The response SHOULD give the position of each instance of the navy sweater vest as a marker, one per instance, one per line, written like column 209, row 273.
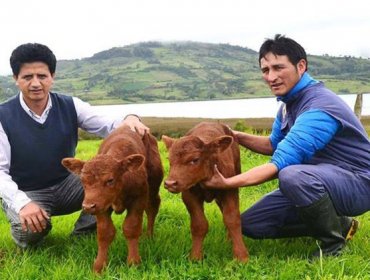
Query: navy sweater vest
column 37, row 149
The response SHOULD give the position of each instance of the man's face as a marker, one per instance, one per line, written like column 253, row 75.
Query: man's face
column 34, row 81
column 280, row 74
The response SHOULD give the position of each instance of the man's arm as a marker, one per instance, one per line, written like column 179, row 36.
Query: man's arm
column 254, row 176
column 31, row 215
column 258, row 144
column 312, row 131
column 9, row 191
column 89, row 120
column 134, row 122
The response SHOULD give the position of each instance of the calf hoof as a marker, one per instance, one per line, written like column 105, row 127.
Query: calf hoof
column 98, row 267
column 242, row 259
column 196, row 257
column 242, row 256
column 132, row 261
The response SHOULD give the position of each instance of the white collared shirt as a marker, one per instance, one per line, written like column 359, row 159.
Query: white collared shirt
column 40, row 119
column 87, row 119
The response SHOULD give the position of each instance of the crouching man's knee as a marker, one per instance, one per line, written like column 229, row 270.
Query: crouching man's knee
column 301, row 184
column 25, row 239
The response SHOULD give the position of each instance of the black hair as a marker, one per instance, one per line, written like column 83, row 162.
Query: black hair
column 32, row 52
column 282, row 45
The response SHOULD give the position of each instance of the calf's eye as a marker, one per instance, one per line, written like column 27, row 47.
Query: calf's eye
column 194, row 161
column 109, row 182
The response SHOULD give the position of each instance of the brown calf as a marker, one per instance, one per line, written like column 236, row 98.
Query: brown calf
column 192, row 159
column 125, row 175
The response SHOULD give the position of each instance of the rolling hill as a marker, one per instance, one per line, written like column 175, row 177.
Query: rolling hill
column 176, row 71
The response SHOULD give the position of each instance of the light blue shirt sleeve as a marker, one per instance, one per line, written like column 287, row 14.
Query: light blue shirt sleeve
column 311, row 132
column 88, row 119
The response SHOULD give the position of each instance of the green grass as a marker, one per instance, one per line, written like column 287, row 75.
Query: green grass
column 166, row 256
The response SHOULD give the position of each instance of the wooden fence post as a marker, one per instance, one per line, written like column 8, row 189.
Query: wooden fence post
column 358, row 105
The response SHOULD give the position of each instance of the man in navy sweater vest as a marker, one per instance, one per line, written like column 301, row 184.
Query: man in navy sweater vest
column 320, row 155
column 38, row 129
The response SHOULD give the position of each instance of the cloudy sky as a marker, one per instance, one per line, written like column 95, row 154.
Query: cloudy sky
column 77, row 28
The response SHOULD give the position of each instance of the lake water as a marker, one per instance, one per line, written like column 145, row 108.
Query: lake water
column 218, row 109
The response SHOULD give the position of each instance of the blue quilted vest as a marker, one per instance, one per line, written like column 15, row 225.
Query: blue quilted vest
column 350, row 147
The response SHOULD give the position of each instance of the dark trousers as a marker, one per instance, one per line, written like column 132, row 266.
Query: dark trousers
column 302, row 185
column 60, row 199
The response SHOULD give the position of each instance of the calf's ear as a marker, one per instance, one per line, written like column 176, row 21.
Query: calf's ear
column 133, row 162
column 221, row 143
column 168, row 141
column 74, row 165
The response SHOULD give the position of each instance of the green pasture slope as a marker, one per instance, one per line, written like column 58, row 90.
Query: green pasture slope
column 166, row 256
column 183, row 71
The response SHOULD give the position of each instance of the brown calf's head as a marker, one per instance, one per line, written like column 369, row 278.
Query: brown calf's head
column 101, row 178
column 192, row 160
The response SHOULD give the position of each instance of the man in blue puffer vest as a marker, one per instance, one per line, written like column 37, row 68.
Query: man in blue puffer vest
column 320, row 155
column 38, row 128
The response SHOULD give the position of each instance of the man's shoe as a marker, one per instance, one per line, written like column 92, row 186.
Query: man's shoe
column 85, row 225
column 83, row 233
column 336, row 249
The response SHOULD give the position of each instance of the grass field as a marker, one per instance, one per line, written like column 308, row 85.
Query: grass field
column 166, row 256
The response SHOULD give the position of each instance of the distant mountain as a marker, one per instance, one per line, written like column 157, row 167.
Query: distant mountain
column 156, row 71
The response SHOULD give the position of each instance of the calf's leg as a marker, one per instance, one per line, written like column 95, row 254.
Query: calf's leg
column 199, row 223
column 106, row 233
column 132, row 228
column 231, row 216
column 151, row 212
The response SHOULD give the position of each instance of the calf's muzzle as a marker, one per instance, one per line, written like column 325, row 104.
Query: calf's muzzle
column 171, row 185
column 88, row 207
